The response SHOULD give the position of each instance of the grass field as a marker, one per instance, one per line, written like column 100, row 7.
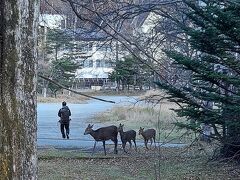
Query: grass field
column 159, row 117
column 63, row 97
column 164, row 163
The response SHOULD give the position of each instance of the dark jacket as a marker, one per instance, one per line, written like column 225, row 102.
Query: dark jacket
column 64, row 114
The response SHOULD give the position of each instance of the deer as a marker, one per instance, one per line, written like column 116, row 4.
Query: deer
column 148, row 134
column 103, row 134
column 127, row 137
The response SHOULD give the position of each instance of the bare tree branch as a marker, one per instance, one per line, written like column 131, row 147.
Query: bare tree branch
column 76, row 92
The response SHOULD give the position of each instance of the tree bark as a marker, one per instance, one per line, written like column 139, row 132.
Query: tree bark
column 18, row 62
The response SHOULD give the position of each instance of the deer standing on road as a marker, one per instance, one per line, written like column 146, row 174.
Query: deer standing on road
column 148, row 134
column 103, row 134
column 127, row 137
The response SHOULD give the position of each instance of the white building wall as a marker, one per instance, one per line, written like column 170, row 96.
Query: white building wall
column 95, row 71
column 52, row 21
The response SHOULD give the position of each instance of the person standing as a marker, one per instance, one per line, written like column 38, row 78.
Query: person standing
column 64, row 113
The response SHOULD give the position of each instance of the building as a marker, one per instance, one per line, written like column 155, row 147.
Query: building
column 90, row 49
column 94, row 50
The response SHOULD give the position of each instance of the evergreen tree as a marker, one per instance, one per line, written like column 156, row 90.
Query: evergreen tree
column 63, row 71
column 129, row 72
column 58, row 40
column 62, row 66
column 212, row 95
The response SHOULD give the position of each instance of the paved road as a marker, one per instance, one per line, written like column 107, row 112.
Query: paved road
column 48, row 127
column 49, row 131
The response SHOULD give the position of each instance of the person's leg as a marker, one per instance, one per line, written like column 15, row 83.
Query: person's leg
column 62, row 130
column 67, row 130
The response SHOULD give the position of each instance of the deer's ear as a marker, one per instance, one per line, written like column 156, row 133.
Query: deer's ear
column 89, row 125
column 120, row 124
column 92, row 125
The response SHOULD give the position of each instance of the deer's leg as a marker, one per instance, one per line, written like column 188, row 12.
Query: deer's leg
column 115, row 145
column 146, row 141
column 151, row 142
column 94, row 147
column 130, row 144
column 135, row 144
column 124, row 145
column 104, row 148
column 154, row 139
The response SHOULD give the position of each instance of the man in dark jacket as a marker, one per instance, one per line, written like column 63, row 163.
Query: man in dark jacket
column 64, row 113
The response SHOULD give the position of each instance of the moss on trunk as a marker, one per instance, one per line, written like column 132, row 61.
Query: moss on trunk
column 18, row 89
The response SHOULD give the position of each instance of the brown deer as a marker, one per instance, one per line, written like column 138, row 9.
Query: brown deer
column 127, row 137
column 148, row 134
column 103, row 134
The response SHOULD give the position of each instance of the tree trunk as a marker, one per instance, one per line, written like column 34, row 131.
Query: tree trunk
column 18, row 127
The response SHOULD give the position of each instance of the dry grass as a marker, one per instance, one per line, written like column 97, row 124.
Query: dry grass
column 159, row 117
column 73, row 98
column 165, row 164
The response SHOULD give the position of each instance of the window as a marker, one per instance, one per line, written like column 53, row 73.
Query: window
column 109, row 63
column 100, row 63
column 88, row 63
column 103, row 47
column 85, row 47
column 90, row 46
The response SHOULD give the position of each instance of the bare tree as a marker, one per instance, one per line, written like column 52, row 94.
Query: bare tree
column 18, row 127
column 121, row 21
